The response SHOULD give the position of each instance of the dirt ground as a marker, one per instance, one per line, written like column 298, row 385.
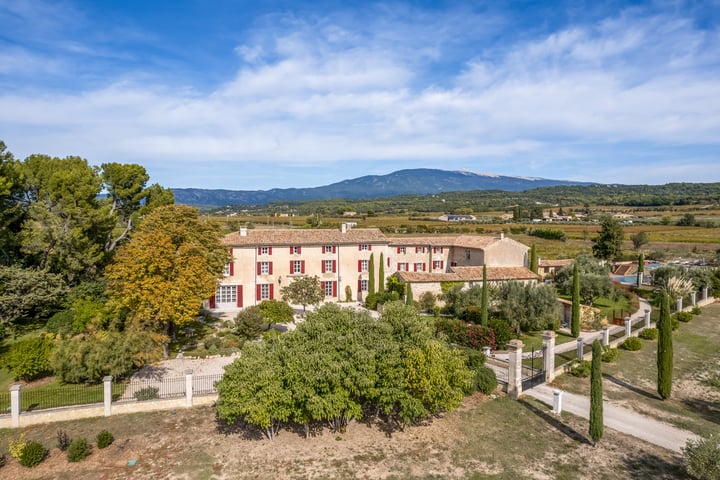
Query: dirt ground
column 485, row 438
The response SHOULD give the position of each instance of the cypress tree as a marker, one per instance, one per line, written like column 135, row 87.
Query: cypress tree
column 381, row 276
column 371, row 275
column 484, row 300
column 409, row 295
column 596, row 401
column 533, row 259
column 641, row 268
column 575, row 324
column 664, row 349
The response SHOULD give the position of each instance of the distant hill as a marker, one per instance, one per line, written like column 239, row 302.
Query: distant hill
column 420, row 181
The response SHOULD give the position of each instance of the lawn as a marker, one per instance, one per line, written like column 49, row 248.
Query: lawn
column 695, row 402
column 533, row 340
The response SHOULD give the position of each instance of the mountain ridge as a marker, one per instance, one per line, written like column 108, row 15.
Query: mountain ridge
column 417, row 181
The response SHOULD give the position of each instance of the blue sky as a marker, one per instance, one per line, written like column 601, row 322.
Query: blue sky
column 255, row 95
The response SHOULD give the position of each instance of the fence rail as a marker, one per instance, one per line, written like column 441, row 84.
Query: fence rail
column 63, row 396
column 205, row 384
column 4, row 403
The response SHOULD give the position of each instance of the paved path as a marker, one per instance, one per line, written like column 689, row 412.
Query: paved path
column 620, row 419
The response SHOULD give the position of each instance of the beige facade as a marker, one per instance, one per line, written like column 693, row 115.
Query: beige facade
column 264, row 260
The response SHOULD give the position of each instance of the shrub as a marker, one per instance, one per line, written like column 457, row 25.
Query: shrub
column 683, row 316
column 78, row 450
column 63, row 440
column 609, row 354
column 2, row 460
column 30, row 359
column 503, row 331
column 465, row 334
column 61, row 322
column 649, row 334
column 549, row 234
column 632, row 344
column 32, row 454
column 702, row 457
column 696, row 310
column 248, row 323
column 485, row 380
column 268, row 334
column 674, row 323
column 147, row 393
column 474, row 358
column 104, row 439
column 16, row 447
column 579, row 368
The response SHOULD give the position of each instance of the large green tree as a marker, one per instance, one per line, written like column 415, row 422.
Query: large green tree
column 664, row 349
column 575, row 322
column 484, row 299
column 11, row 211
column 640, row 269
column 381, row 275
column 533, row 259
column 303, row 291
column 528, row 307
column 594, row 279
column 162, row 275
column 608, row 244
column 275, row 311
column 371, row 275
column 596, row 393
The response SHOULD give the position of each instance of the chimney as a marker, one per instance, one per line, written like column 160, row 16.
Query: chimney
column 343, row 227
column 243, row 232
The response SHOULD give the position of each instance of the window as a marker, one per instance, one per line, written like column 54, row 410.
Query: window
column 402, row 267
column 419, row 267
column 226, row 270
column 296, row 250
column 363, row 265
column 264, row 268
column 297, row 266
column 363, row 285
column 264, row 292
column 401, row 250
column 364, row 247
column 265, row 251
column 328, row 287
column 437, row 249
column 437, row 264
column 328, row 249
column 420, row 250
column 328, row 266
column 467, row 253
column 226, row 294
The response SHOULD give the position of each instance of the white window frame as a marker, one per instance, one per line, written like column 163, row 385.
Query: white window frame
column 418, row 266
column 327, row 248
column 264, row 268
column 226, row 294
column 264, row 250
column 297, row 249
column 226, row 270
column 328, row 289
column 364, row 247
column 328, row 266
column 364, row 266
column 265, row 291
column 437, row 264
column 403, row 267
column 364, row 285
column 297, row 266
column 402, row 250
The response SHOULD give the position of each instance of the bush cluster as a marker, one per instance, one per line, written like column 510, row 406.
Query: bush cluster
column 702, row 457
column 696, row 310
column 649, row 334
column 147, row 393
column 485, row 380
column 33, row 453
column 683, row 316
column 466, row 334
column 30, row 359
column 632, row 344
column 503, row 332
column 579, row 368
column 63, row 440
column 372, row 300
column 610, row 354
column 78, row 450
column 548, row 234
column 104, row 439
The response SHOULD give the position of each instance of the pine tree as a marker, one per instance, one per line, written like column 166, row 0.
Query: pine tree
column 596, row 400
column 409, row 295
column 575, row 324
column 381, row 276
column 484, row 300
column 664, row 349
column 371, row 275
column 533, row 259
column 641, row 268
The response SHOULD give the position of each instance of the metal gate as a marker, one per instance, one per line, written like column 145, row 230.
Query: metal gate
column 533, row 372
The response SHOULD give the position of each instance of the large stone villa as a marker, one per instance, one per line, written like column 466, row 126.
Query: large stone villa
column 266, row 260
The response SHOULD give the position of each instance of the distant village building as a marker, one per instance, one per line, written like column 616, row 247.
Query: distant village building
column 456, row 218
column 264, row 260
column 548, row 268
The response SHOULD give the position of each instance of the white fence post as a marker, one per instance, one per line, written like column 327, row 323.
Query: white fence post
column 107, row 394
column 628, row 327
column 557, row 401
column 548, row 339
column 605, row 336
column 693, row 298
column 647, row 318
column 15, row 405
column 188, row 388
column 678, row 304
column 580, row 348
column 515, row 348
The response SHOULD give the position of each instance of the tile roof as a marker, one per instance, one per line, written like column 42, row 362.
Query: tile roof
column 287, row 236
column 469, row 274
column 422, row 241
column 555, row 263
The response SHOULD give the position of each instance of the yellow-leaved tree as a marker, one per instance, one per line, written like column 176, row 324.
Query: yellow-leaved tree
column 169, row 266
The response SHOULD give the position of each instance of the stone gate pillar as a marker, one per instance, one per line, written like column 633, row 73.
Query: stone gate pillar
column 188, row 387
column 107, row 394
column 706, row 293
column 15, row 405
column 548, row 338
column 628, row 327
column 580, row 348
column 605, row 336
column 647, row 318
column 515, row 369
column 678, row 304
column 693, row 298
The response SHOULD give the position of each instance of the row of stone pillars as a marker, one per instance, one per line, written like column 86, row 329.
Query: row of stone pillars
column 16, row 398
column 705, row 293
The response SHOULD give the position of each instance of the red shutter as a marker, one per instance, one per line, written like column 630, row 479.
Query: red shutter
column 299, row 250
column 291, row 267
column 359, row 286
column 239, row 296
column 369, row 247
column 359, row 247
column 359, row 265
column 302, row 266
column 442, row 265
column 334, row 266
column 258, row 267
column 333, row 249
column 424, row 266
column 388, row 262
column 212, row 301
column 232, row 267
column 415, row 267
column 417, row 249
column 259, row 250
column 398, row 266
column 258, row 292
column 272, row 291
column 269, row 250
column 334, row 289
column 322, row 266
column 398, row 249
column 270, row 267
column 322, row 287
